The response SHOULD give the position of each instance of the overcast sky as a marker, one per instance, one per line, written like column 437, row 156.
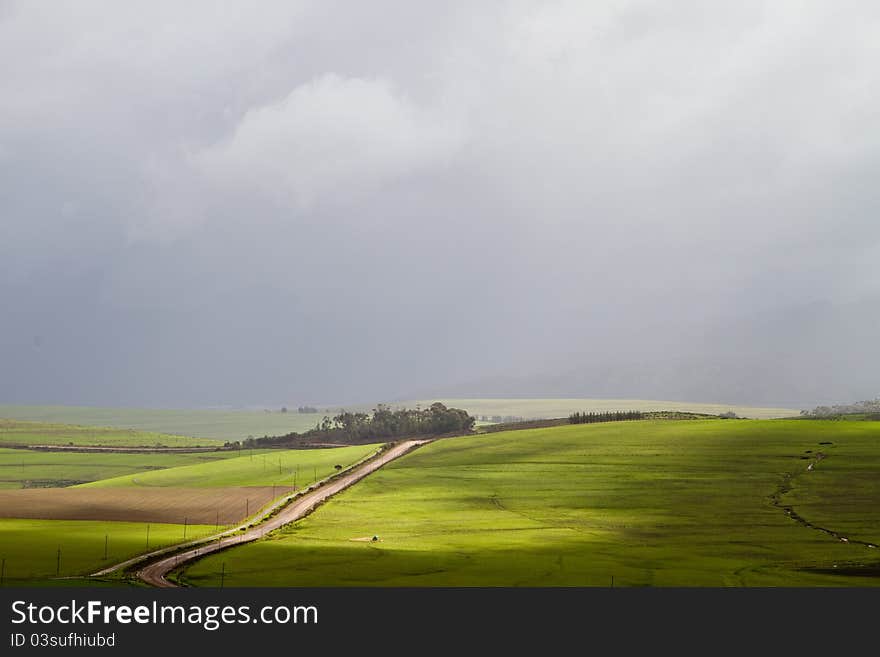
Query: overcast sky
column 242, row 203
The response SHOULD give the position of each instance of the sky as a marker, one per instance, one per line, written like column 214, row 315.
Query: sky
column 347, row 202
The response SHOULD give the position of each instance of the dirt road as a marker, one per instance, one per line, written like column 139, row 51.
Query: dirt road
column 154, row 573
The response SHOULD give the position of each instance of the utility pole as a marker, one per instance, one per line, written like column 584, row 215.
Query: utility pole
column 148, row 535
column 2, row 571
column 184, row 527
column 106, row 542
column 218, row 518
column 247, row 507
column 58, row 563
column 222, row 574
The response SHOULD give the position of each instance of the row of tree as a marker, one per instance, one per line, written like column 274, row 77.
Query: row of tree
column 382, row 424
column 610, row 416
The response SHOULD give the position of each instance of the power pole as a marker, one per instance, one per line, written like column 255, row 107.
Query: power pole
column 247, row 507
column 106, row 542
column 222, row 574
column 148, row 535
column 58, row 563
column 2, row 571
column 184, row 527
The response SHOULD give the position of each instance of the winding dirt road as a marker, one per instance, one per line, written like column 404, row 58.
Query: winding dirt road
column 154, row 573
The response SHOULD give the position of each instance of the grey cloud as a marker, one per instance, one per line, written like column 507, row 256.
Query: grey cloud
column 339, row 201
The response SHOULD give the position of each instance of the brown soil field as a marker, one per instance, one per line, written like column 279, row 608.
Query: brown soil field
column 198, row 506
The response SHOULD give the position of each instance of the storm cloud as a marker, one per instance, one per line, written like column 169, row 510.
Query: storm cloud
column 333, row 202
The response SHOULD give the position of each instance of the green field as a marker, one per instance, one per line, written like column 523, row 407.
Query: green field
column 22, row 468
column 30, row 547
column 19, row 432
column 202, row 424
column 254, row 468
column 650, row 503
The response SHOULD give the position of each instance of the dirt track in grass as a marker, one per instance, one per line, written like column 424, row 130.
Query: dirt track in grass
column 157, row 566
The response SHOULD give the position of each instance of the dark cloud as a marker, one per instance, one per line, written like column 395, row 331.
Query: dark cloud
column 333, row 201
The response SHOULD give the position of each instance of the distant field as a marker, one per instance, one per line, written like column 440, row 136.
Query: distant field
column 21, row 468
column 299, row 467
column 18, row 432
column 201, row 424
column 551, row 408
column 30, row 547
column 650, row 503
column 238, row 425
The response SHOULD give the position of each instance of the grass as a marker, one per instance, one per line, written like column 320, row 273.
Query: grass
column 21, row 468
column 650, row 503
column 201, row 424
column 18, row 432
column 30, row 547
column 261, row 468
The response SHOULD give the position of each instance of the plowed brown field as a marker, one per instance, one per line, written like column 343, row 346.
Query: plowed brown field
column 197, row 506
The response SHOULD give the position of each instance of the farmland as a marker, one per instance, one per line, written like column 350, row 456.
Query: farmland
column 295, row 467
column 228, row 425
column 23, row 468
column 30, row 547
column 218, row 506
column 18, row 432
column 204, row 425
column 200, row 490
column 649, row 503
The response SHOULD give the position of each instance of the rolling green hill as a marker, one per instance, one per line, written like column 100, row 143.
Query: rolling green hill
column 650, row 503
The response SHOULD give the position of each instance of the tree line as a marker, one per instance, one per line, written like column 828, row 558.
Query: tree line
column 609, row 416
column 869, row 406
column 382, row 424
